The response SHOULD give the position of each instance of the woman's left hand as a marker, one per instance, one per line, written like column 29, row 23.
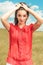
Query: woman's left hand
column 25, row 6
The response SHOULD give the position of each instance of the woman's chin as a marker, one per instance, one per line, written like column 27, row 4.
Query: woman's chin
column 22, row 22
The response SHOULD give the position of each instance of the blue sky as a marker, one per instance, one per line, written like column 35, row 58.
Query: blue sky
column 36, row 5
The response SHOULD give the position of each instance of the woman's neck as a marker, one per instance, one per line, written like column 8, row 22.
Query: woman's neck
column 21, row 25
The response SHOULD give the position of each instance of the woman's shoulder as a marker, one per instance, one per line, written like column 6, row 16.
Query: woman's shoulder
column 12, row 25
column 30, row 25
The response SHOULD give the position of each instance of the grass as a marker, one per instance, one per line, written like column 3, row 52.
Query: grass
column 37, row 47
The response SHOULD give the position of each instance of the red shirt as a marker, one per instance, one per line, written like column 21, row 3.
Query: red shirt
column 20, row 47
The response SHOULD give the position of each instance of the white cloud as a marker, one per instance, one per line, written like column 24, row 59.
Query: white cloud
column 6, row 6
column 40, row 12
column 35, row 7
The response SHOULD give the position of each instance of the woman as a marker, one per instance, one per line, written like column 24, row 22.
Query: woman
column 20, row 48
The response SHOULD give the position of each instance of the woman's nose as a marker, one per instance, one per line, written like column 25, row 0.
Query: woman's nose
column 22, row 18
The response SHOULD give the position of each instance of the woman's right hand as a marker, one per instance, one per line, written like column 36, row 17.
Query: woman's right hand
column 17, row 6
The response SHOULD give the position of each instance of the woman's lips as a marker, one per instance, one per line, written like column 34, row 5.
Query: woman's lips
column 21, row 20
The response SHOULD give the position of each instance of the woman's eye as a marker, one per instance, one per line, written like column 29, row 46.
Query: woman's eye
column 24, row 15
column 19, row 15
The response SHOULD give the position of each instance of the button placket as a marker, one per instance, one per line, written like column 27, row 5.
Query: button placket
column 20, row 44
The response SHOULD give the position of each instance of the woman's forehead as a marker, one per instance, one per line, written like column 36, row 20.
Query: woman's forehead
column 22, row 11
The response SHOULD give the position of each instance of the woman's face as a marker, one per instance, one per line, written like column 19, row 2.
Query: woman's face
column 22, row 16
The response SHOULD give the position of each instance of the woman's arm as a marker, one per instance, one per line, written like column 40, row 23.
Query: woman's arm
column 5, row 17
column 39, row 19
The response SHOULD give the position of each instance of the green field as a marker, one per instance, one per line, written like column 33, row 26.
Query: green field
column 37, row 51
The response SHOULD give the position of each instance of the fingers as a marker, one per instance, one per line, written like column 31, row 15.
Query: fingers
column 24, row 4
column 21, row 4
column 18, row 5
